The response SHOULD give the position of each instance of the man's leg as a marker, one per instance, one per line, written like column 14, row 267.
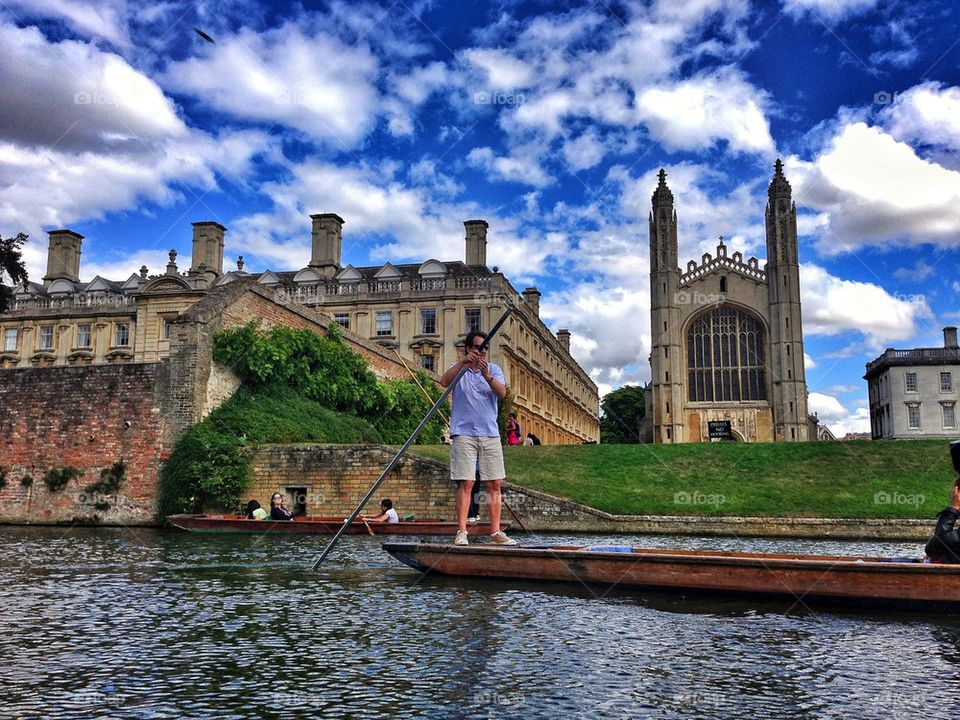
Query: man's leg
column 493, row 498
column 464, row 487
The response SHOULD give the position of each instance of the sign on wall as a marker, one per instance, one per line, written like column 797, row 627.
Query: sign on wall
column 719, row 430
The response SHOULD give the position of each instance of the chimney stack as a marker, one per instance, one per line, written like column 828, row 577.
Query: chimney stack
column 63, row 256
column 564, row 337
column 950, row 337
column 326, row 242
column 531, row 296
column 207, row 246
column 476, row 252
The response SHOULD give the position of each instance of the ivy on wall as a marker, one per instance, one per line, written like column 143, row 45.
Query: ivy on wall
column 297, row 387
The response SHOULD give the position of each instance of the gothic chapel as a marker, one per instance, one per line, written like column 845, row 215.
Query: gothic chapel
column 726, row 335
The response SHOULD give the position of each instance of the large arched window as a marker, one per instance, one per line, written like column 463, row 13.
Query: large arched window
column 725, row 357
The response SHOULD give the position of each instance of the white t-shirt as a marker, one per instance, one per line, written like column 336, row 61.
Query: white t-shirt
column 392, row 516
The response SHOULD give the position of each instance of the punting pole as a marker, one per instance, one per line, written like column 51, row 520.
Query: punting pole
column 408, row 443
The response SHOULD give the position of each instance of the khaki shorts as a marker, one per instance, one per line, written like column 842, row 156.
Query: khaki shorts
column 465, row 452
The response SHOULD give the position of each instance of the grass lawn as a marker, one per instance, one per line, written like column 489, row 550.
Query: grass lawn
column 885, row 479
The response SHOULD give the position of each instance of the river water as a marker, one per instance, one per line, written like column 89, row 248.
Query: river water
column 139, row 623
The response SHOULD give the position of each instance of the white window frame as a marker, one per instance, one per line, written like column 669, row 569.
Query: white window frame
column 906, row 382
column 45, row 338
column 946, row 387
column 385, row 316
column 342, row 319
column 431, row 314
column 428, row 359
column 10, row 334
column 910, row 408
column 466, row 319
column 121, row 331
column 89, row 332
column 949, row 408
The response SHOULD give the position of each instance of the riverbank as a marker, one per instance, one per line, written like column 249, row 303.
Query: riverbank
column 885, row 480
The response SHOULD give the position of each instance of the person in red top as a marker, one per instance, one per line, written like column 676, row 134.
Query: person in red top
column 513, row 430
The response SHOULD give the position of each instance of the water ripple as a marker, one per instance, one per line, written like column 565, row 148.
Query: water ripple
column 144, row 624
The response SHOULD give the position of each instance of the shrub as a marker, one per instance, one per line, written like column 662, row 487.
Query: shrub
column 57, row 478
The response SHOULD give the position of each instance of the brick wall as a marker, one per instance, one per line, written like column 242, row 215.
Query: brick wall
column 86, row 417
column 334, row 478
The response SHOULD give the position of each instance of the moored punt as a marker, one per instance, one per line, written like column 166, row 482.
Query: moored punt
column 320, row 525
column 802, row 579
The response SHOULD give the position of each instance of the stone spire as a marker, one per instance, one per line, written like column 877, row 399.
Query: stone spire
column 779, row 186
column 662, row 197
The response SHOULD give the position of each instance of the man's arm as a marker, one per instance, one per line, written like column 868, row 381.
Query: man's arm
column 496, row 384
column 451, row 373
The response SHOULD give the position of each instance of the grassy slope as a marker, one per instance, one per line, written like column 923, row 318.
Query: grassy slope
column 909, row 478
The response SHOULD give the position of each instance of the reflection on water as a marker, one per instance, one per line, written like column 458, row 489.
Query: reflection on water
column 148, row 624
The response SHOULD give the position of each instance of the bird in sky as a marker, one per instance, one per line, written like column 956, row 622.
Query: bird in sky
column 206, row 37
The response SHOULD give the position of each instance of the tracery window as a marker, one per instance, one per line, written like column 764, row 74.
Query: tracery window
column 726, row 357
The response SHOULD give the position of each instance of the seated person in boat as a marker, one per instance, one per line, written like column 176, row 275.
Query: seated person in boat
column 387, row 513
column 944, row 546
column 255, row 512
column 277, row 510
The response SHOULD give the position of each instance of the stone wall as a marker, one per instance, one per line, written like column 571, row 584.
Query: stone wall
column 234, row 305
column 332, row 479
column 86, row 417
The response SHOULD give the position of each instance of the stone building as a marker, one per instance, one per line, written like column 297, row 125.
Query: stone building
column 913, row 392
column 420, row 311
column 726, row 353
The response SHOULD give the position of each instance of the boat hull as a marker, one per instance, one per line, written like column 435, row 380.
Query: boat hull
column 318, row 526
column 805, row 580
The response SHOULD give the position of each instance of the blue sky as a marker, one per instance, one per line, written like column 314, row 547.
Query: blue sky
column 549, row 121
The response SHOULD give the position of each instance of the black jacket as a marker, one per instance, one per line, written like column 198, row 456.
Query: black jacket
column 279, row 513
column 944, row 546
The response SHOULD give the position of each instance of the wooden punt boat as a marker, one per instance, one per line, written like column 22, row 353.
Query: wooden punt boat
column 800, row 579
column 312, row 525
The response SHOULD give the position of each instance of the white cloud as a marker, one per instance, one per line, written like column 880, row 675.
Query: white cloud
column 808, row 362
column 103, row 19
column 46, row 187
column 522, row 166
column 928, row 113
column 316, row 84
column 832, row 306
column 835, row 416
column 698, row 112
column 596, row 315
column 831, row 10
column 873, row 190
column 921, row 270
column 499, row 69
column 74, row 96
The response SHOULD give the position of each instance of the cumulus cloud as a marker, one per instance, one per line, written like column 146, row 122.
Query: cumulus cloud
column 104, row 19
column 75, row 96
column 522, row 166
column 38, row 193
column 874, row 190
column 697, row 112
column 928, row 114
column 832, row 306
column 314, row 83
column 838, row 418
column 596, row 314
